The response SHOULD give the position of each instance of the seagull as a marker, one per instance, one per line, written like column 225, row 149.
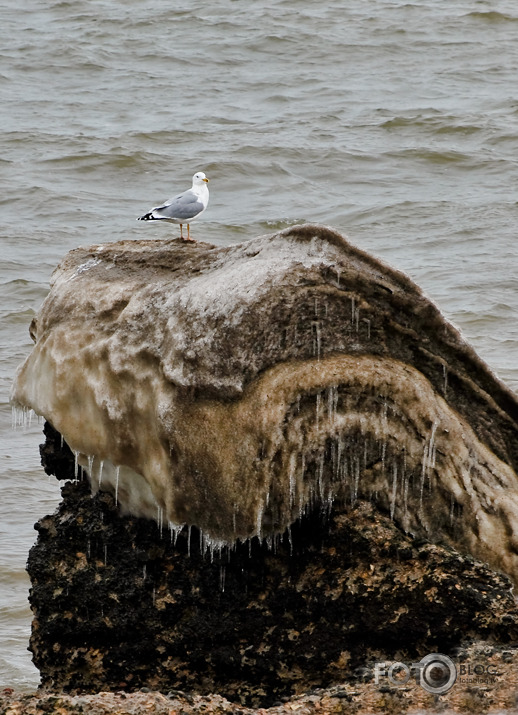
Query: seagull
column 183, row 208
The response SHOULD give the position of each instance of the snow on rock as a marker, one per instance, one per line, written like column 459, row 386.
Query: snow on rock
column 235, row 388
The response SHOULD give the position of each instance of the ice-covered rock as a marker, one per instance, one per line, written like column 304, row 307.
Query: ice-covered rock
column 233, row 388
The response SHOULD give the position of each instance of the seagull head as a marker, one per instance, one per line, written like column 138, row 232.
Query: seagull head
column 199, row 178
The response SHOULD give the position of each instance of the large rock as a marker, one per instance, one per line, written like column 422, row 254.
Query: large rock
column 235, row 388
column 319, row 451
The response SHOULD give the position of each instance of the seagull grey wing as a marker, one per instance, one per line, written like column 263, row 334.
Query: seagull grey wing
column 184, row 206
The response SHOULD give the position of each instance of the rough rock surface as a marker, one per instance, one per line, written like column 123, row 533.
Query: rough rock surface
column 234, row 388
column 498, row 696
column 118, row 605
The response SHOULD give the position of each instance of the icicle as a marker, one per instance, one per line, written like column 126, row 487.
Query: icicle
column 101, row 467
column 76, row 466
column 154, row 595
column 428, row 460
column 259, row 521
column 334, row 448
column 423, row 477
column 384, row 416
column 356, row 478
column 117, row 472
column 339, row 451
column 90, row 459
column 175, row 530
column 328, row 505
column 366, row 320
column 292, row 482
column 222, row 578
column 144, row 572
column 320, row 477
column 394, row 492
column 17, row 417
column 26, row 419
column 431, row 449
column 189, row 540
column 290, row 540
column 406, row 480
column 301, row 491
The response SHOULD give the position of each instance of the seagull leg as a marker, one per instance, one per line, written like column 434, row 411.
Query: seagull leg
column 181, row 231
column 189, row 234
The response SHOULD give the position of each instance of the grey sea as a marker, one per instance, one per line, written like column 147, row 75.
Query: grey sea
column 394, row 122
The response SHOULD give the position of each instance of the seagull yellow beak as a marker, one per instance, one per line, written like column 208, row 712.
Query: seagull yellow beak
column 206, row 180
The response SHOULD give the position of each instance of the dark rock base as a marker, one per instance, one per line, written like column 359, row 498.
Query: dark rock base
column 120, row 603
